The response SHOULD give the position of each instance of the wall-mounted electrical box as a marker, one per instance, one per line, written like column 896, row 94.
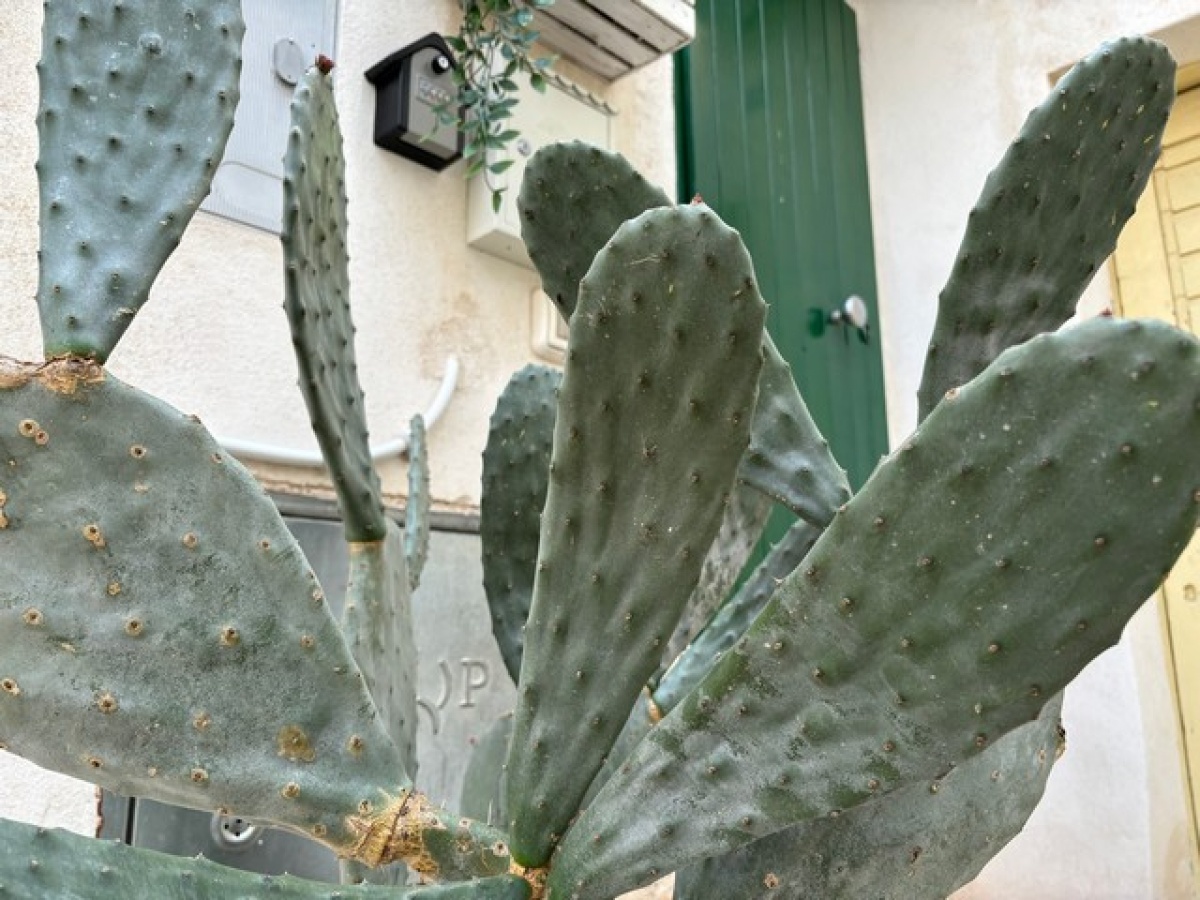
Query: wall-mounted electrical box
column 283, row 38
column 563, row 112
column 614, row 37
column 410, row 85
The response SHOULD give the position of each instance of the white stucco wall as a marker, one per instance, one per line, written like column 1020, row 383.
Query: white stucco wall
column 947, row 85
column 213, row 340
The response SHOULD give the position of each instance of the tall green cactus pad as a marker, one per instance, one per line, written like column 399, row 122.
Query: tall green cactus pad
column 742, row 526
column 573, row 197
column 516, row 474
column 789, row 460
column 416, row 513
column 317, row 301
column 378, row 627
column 735, row 615
column 654, row 414
column 137, row 102
column 641, row 720
column 40, row 864
column 923, row 841
column 923, row 588
column 161, row 646
column 1051, row 211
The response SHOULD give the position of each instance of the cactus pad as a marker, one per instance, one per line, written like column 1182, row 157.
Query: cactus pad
column 516, row 473
column 735, row 615
column 789, row 460
column 641, row 720
column 1051, row 211
column 39, row 863
column 172, row 642
column 416, row 513
column 137, row 102
column 923, row 841
column 377, row 624
column 742, row 526
column 654, row 414
column 317, row 301
column 572, row 199
column 907, row 648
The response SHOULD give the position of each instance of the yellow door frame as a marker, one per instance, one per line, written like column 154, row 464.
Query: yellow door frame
column 1156, row 273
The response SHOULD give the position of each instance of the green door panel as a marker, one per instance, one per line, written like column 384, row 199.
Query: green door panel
column 771, row 136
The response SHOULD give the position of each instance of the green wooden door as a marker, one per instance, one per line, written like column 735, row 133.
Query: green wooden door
column 771, row 135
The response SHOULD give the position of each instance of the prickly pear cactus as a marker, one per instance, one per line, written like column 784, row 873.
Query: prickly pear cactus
column 742, row 526
column 137, row 103
column 788, row 459
column 730, row 621
column 584, row 193
column 37, row 863
column 1051, row 211
column 317, row 282
column 377, row 618
column 416, row 514
column 377, row 624
column 925, row 841
column 516, row 475
column 153, row 587
column 951, row 619
column 572, row 199
column 664, row 358
column 905, row 660
column 153, row 612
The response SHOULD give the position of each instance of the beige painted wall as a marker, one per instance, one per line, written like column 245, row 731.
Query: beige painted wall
column 947, row 84
column 213, row 339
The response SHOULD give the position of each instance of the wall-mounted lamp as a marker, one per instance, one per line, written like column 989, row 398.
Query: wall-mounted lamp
column 409, row 86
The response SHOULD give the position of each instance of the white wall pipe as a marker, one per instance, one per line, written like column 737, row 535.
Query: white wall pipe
column 288, row 456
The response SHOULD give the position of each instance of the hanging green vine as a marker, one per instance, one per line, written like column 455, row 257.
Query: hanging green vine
column 494, row 45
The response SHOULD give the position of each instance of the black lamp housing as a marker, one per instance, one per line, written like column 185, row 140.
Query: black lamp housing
column 409, row 85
